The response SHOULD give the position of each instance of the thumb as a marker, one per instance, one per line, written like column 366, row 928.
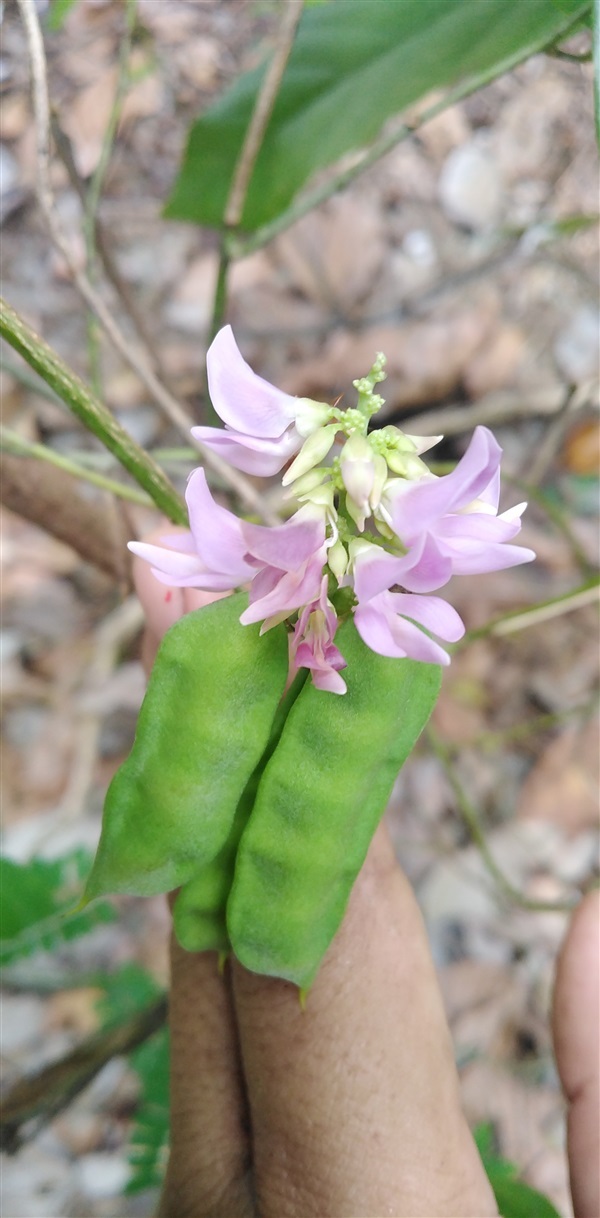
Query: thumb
column 577, row 1049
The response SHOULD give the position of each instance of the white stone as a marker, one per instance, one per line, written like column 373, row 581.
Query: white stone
column 470, row 187
column 102, row 1175
column 577, row 348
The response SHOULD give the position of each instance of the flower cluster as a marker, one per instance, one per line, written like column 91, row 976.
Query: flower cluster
column 374, row 533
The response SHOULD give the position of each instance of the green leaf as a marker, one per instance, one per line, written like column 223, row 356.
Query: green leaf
column 354, row 64
column 596, row 54
column 36, row 900
column 202, row 729
column 58, row 13
column 514, row 1198
column 126, row 992
column 149, row 1137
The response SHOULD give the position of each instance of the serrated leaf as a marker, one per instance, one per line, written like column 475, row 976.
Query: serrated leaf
column 36, row 899
column 203, row 726
column 354, row 64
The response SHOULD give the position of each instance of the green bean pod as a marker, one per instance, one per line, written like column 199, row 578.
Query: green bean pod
column 317, row 806
column 199, row 912
column 202, row 730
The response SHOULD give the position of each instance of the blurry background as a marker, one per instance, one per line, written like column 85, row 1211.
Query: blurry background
column 469, row 255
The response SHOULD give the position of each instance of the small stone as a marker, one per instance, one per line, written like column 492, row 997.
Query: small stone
column 22, row 1022
column 470, row 187
column 102, row 1175
column 577, row 348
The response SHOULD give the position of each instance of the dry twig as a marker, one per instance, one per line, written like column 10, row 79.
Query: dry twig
column 173, row 409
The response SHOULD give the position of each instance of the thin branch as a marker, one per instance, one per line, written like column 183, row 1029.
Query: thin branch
column 113, row 634
column 92, row 413
column 539, row 463
column 109, row 265
column 471, row 818
column 244, row 167
column 587, row 594
column 12, row 442
column 38, row 1098
column 262, row 113
column 173, row 409
column 41, row 494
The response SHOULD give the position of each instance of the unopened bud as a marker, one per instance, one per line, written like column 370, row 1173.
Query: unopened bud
column 337, row 559
column 314, row 449
column 358, row 469
column 311, row 415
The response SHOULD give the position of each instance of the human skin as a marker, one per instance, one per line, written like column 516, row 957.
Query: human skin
column 351, row 1107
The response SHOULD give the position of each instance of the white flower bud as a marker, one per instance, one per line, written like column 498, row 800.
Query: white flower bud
column 314, row 449
column 358, row 469
column 408, row 465
column 310, row 415
column 380, row 479
column 337, row 559
column 423, row 443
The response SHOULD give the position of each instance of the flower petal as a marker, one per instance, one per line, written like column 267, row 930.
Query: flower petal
column 217, row 532
column 286, row 546
column 415, row 506
column 252, row 454
column 180, row 570
column 241, row 398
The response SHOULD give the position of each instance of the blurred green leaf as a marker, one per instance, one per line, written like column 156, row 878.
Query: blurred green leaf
column 514, row 1198
column 58, row 13
column 354, row 64
column 126, row 991
column 35, row 903
column 150, row 1134
column 596, row 54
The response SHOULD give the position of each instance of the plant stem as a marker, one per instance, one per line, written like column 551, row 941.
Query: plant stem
column 471, row 819
column 11, row 442
column 250, row 149
column 543, row 611
column 92, row 413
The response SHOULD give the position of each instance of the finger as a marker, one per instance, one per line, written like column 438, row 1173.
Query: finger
column 577, row 1048
column 354, row 1101
column 208, row 1167
column 207, row 1176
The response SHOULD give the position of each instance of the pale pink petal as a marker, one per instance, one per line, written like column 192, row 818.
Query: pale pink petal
column 241, row 398
column 295, row 588
column 217, row 532
column 476, row 526
column 431, row 612
column 473, row 558
column 288, row 545
column 389, row 635
column 329, row 680
column 251, row 454
column 180, row 570
column 415, row 506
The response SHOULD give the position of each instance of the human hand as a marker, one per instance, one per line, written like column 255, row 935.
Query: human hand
column 351, row 1107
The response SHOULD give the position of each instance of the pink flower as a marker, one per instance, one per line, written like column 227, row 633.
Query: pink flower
column 448, row 526
column 285, row 564
column 264, row 427
column 386, row 623
column 312, row 644
column 211, row 556
column 290, row 560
